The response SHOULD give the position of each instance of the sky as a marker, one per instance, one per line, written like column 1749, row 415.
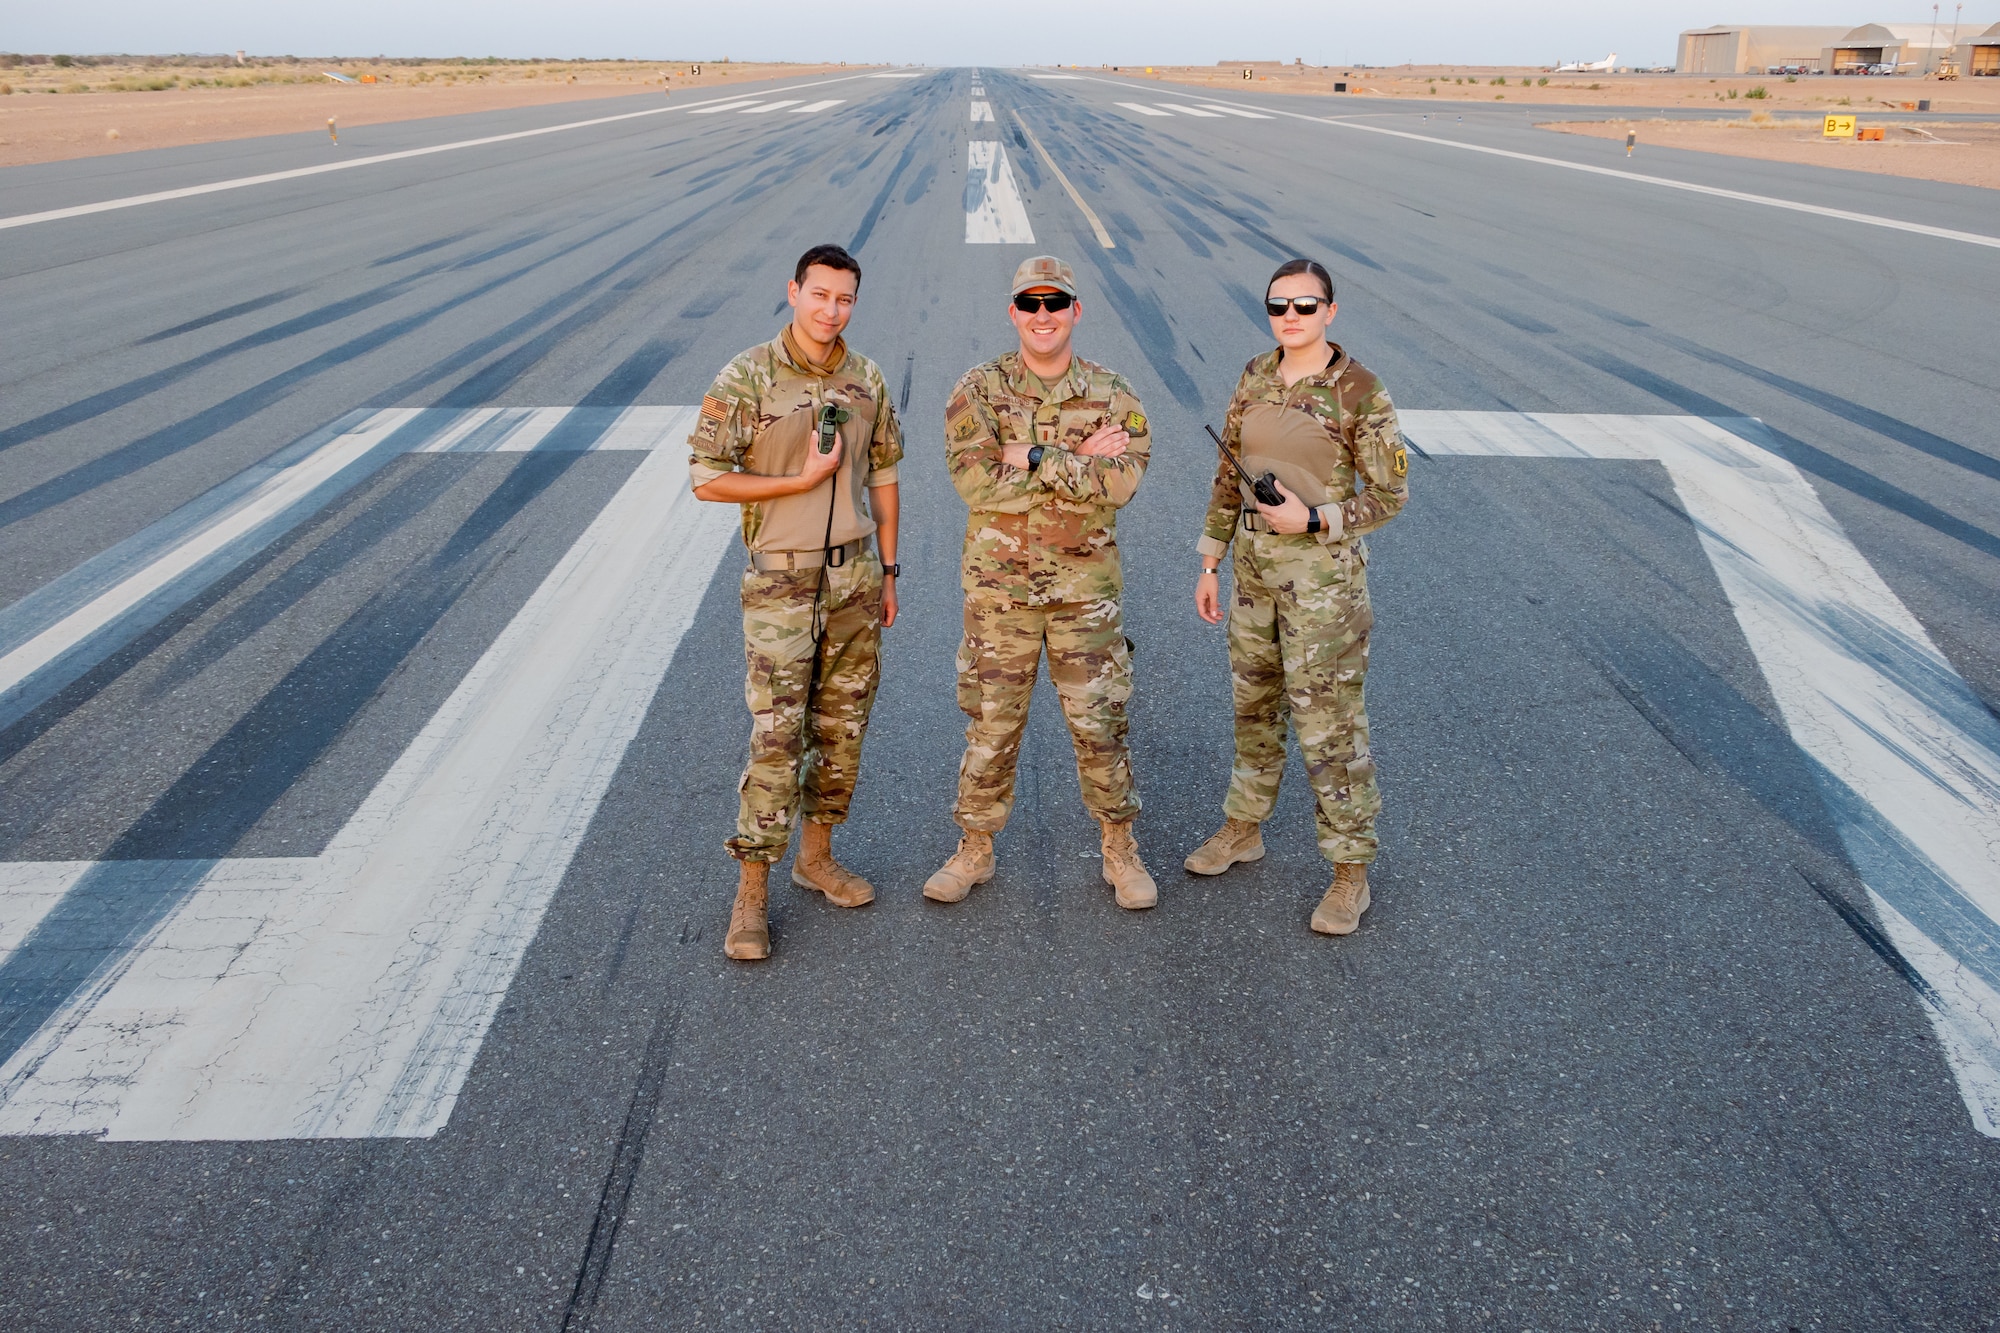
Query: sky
column 1046, row 32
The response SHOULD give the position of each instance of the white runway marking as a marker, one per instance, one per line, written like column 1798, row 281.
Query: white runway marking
column 1236, row 111
column 735, row 104
column 982, row 111
column 994, row 213
column 1142, row 109
column 765, row 108
column 901, row 74
column 57, row 633
column 297, row 173
column 1192, row 110
column 346, row 995
column 1089, row 214
column 1764, row 200
column 1055, row 76
column 1906, row 756
column 811, row 107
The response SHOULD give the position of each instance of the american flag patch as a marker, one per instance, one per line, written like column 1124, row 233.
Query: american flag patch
column 711, row 406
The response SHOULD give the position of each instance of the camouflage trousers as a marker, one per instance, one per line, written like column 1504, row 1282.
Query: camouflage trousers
column 787, row 777
column 1298, row 648
column 1090, row 664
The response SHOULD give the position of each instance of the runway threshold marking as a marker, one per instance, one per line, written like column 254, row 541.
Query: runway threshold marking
column 346, row 995
column 1089, row 214
column 297, row 173
column 1740, row 196
column 1905, row 755
column 994, row 212
column 56, row 634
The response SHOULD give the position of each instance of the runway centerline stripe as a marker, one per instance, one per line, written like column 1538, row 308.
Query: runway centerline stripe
column 811, row 107
column 765, row 108
column 994, row 212
column 1142, row 109
column 346, row 995
column 1090, row 214
column 982, row 112
column 1717, row 192
column 1192, row 110
column 1905, row 755
column 296, row 173
column 1236, row 111
column 59, row 632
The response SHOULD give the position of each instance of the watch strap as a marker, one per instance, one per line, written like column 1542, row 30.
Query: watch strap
column 893, row 571
column 1035, row 452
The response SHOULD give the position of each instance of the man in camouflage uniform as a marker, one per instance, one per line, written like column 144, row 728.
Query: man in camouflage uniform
column 1045, row 447
column 815, row 595
column 1300, row 619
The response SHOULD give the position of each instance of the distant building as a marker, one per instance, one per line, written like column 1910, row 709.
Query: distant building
column 1728, row 48
column 1888, row 48
column 1980, row 55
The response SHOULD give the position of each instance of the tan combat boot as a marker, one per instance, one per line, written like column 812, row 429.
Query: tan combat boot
column 971, row 864
column 1124, row 871
column 1237, row 840
column 1339, row 913
column 815, row 868
column 749, row 937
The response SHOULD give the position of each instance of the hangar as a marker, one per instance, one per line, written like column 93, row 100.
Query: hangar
column 1981, row 55
column 1731, row 48
column 1887, row 48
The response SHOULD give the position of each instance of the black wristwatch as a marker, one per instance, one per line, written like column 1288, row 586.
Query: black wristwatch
column 893, row 571
column 1312, row 520
column 1035, row 456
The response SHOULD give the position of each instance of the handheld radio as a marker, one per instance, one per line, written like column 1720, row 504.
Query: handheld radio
column 1265, row 488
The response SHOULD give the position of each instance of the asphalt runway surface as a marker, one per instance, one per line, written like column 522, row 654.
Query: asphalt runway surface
column 1628, row 1039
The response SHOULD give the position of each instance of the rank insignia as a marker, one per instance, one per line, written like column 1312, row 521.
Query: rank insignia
column 1400, row 461
column 1135, row 423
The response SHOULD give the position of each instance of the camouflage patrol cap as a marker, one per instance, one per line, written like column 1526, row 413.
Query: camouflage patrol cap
column 1044, row 271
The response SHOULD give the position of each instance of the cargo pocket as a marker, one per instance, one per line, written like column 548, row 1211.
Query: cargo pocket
column 1361, row 769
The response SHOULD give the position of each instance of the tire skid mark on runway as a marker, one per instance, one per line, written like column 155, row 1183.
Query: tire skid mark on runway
column 348, row 993
column 56, row 634
column 1906, row 757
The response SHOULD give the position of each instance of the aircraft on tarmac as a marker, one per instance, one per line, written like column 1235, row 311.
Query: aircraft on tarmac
column 1604, row 66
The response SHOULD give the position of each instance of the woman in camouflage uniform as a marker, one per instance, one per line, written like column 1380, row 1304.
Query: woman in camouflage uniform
column 1322, row 424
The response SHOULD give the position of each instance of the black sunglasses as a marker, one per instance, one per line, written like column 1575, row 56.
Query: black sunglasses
column 1029, row 302
column 1305, row 305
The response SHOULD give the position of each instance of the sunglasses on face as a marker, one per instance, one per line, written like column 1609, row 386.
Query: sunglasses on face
column 1029, row 302
column 1305, row 305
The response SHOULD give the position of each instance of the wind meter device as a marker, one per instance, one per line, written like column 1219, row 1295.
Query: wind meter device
column 829, row 427
column 1265, row 488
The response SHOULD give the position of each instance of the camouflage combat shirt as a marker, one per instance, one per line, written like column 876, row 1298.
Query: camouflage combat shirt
column 758, row 417
column 1356, row 458
column 1045, row 535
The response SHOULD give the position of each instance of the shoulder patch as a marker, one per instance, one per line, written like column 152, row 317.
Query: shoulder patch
column 711, row 406
column 1400, row 461
column 1135, row 423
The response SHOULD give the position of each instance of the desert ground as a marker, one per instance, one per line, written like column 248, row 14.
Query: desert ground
column 125, row 103
column 1768, row 117
column 1959, row 152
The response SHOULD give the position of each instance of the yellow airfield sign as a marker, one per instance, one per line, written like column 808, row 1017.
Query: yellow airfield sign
column 1838, row 127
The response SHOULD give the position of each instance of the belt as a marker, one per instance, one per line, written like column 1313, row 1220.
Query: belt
column 1256, row 522
column 764, row 562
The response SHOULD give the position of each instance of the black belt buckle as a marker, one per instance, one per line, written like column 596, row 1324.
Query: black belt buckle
column 836, row 556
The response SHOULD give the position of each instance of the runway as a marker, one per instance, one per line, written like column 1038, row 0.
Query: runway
column 370, row 723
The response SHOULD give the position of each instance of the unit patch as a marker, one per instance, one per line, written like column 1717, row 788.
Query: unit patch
column 1135, row 423
column 1400, row 461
